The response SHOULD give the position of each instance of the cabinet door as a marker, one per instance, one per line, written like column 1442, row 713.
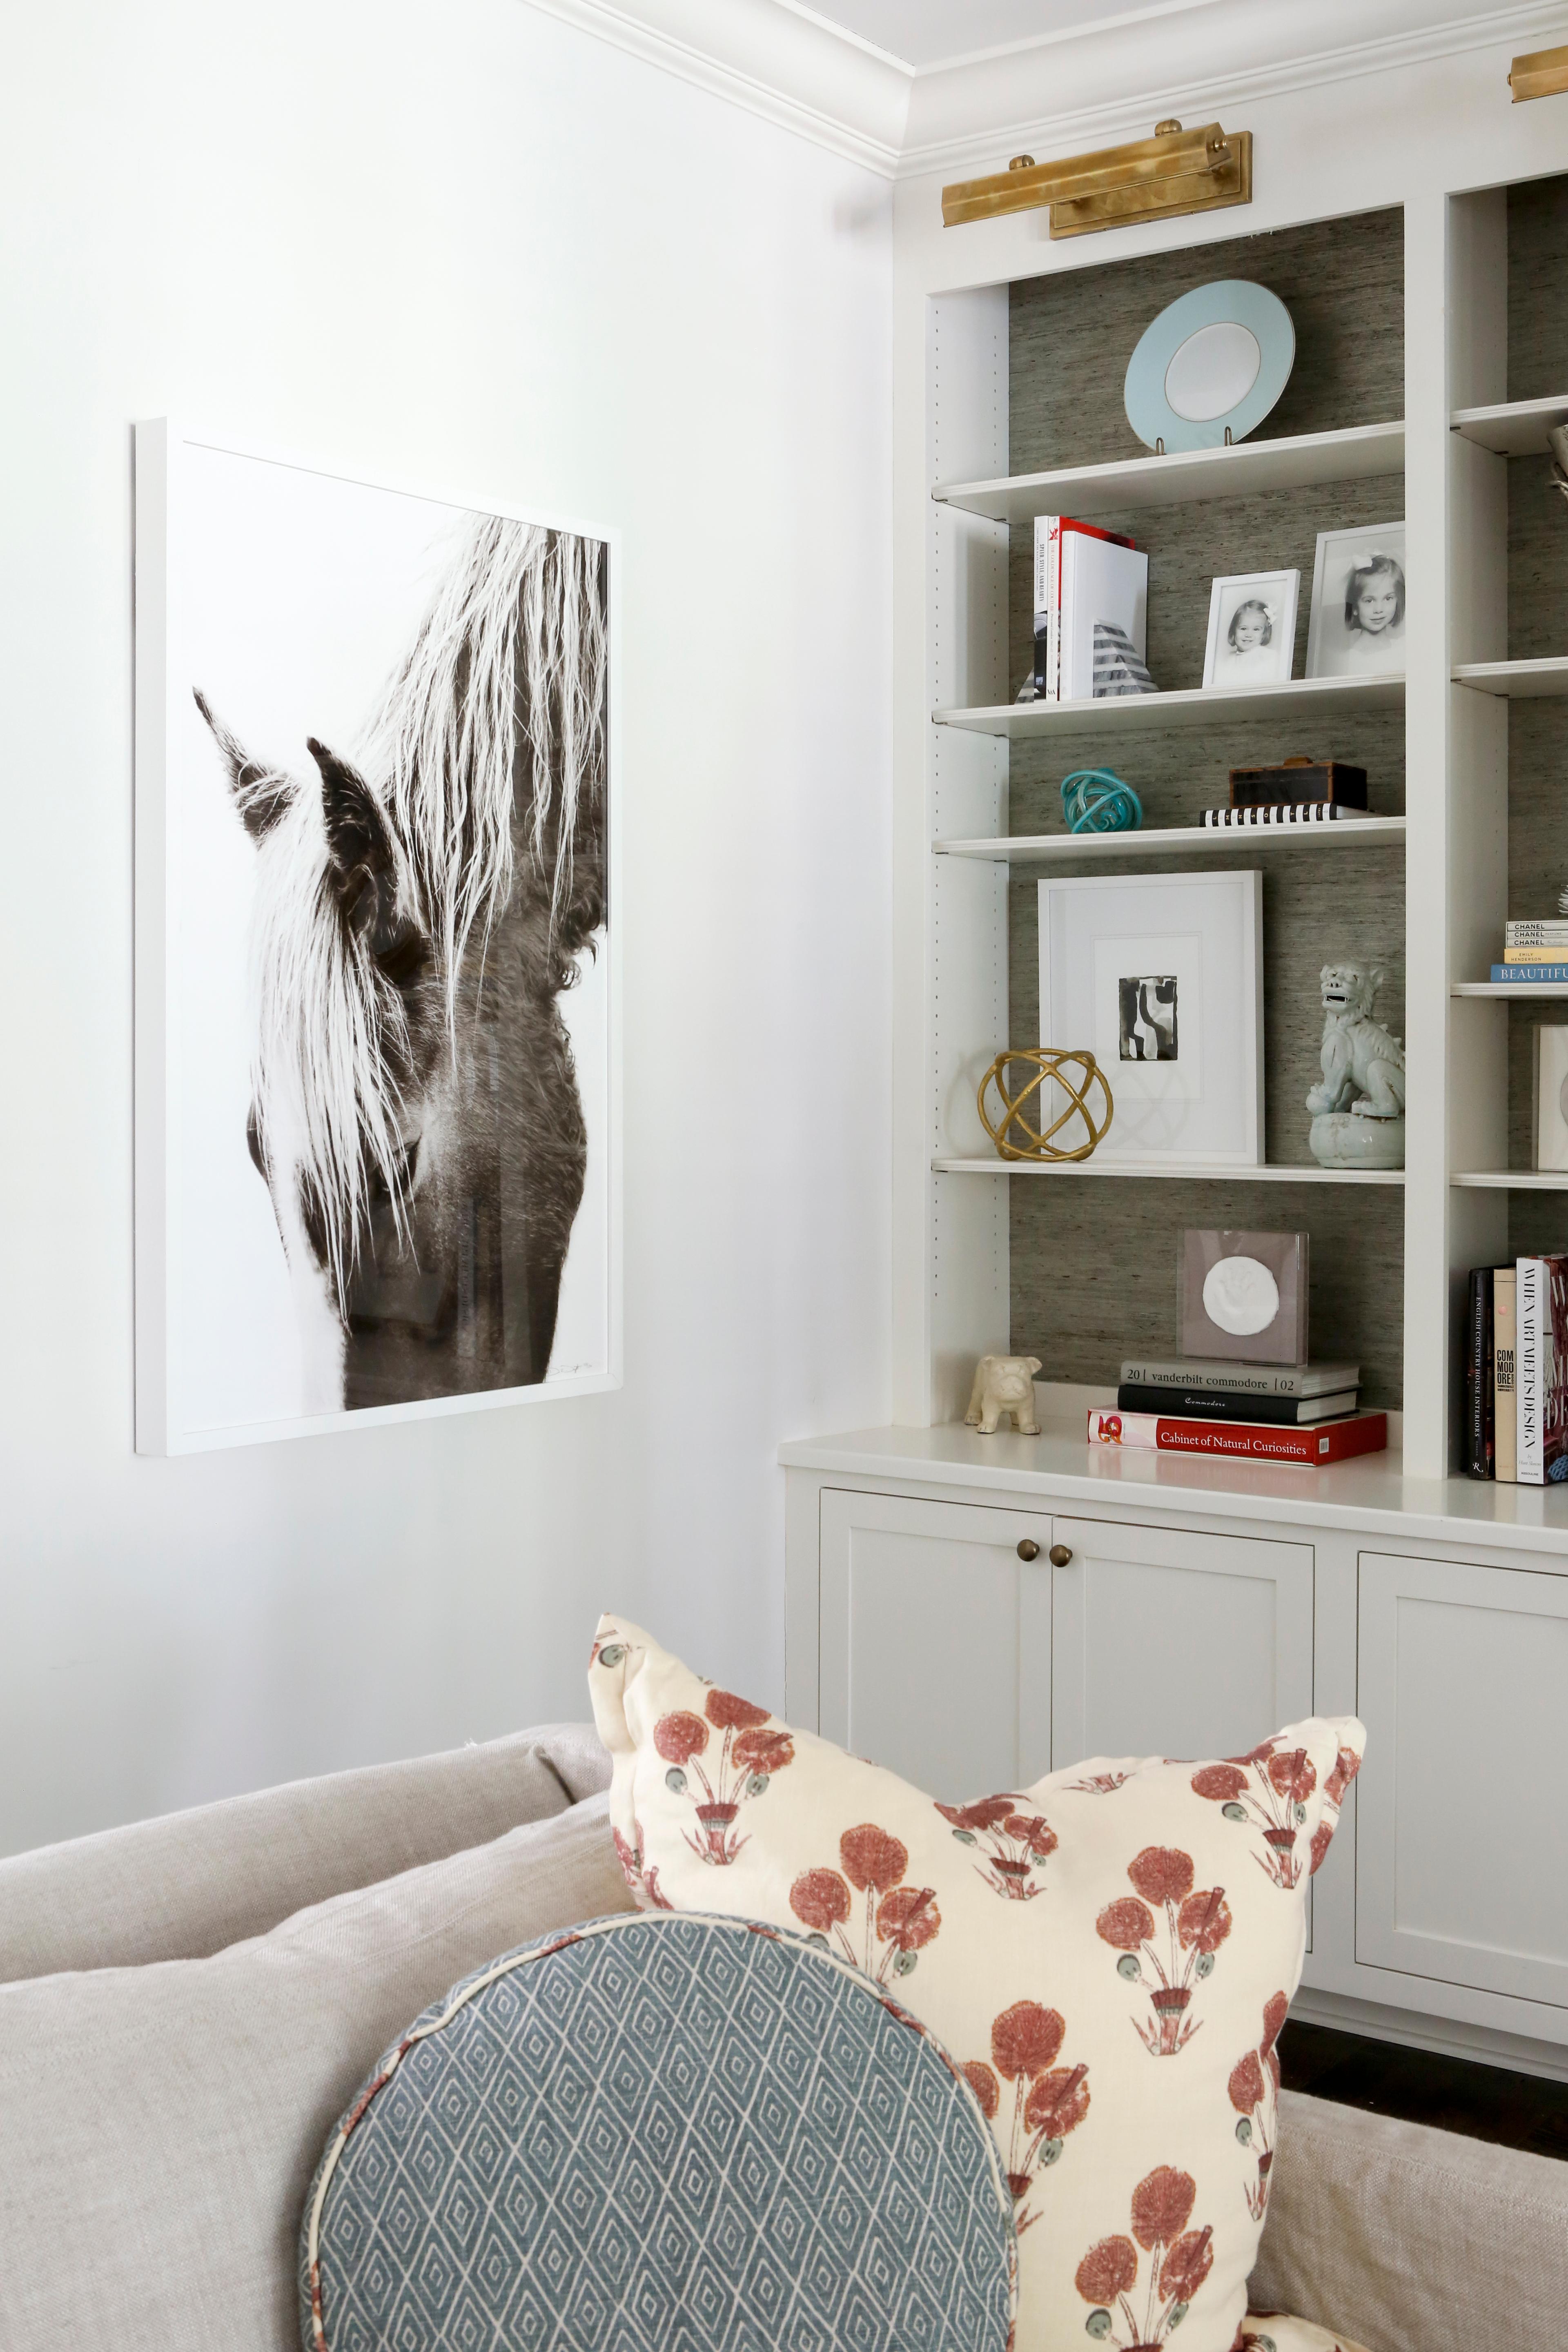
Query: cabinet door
column 936, row 1640
column 1172, row 1644
column 1461, row 1829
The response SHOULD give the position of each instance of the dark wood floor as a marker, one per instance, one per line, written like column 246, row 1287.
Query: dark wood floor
column 1483, row 2102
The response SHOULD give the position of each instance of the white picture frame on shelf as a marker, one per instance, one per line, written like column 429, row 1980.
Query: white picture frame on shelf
column 1356, row 627
column 1252, row 629
column 1160, row 977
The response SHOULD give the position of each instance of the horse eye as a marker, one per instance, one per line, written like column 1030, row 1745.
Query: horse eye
column 402, row 956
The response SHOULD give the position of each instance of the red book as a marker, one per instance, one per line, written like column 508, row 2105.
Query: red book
column 1244, row 1440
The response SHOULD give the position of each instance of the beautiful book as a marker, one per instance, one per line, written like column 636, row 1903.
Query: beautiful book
column 1104, row 586
column 1526, row 975
column 1282, row 813
column 1240, row 1380
column 1247, row 1440
column 1504, row 1278
column 1212, row 1404
column 1051, row 533
column 1478, row 1375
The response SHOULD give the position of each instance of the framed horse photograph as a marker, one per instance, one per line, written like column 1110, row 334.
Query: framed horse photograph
column 377, row 992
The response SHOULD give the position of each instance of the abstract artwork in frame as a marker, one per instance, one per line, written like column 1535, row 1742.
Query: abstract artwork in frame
column 378, row 1028
column 1159, row 977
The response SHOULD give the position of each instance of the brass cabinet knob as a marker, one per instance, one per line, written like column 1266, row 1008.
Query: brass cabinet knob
column 1027, row 1550
column 1059, row 1555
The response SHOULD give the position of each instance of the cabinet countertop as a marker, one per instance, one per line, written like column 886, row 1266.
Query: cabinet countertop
column 1371, row 1494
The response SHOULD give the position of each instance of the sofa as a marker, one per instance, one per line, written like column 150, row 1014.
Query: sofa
column 188, row 2004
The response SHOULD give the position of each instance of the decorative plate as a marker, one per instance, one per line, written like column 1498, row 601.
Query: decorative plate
column 1215, row 361
column 659, row 2132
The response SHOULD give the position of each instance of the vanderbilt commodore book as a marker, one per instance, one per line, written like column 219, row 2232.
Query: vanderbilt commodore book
column 1159, row 1432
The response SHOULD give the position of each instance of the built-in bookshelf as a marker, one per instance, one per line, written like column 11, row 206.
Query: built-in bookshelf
column 1432, row 360
column 1509, row 604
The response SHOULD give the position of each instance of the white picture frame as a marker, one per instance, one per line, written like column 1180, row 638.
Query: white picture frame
column 225, row 1354
column 1252, row 630
column 1550, row 1122
column 1358, row 572
column 1160, row 977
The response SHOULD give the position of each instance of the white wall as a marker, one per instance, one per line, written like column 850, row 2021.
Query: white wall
column 463, row 242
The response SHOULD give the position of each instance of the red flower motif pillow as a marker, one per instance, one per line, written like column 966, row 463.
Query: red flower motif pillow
column 1109, row 1955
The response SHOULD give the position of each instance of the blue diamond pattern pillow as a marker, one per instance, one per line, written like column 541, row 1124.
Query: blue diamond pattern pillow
column 661, row 2134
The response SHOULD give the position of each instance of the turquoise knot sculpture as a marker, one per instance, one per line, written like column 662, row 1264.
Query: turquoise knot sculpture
column 1095, row 800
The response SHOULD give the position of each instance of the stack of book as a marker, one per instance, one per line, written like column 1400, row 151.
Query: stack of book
column 1285, row 813
column 1092, row 604
column 1267, row 1413
column 1535, row 954
column 1516, row 1373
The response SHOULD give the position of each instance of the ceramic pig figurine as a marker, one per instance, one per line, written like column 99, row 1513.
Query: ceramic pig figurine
column 1003, row 1386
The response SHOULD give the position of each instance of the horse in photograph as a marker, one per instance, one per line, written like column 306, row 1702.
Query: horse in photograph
column 418, row 911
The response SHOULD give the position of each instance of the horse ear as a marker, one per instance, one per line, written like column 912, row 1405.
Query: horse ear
column 359, row 847
column 260, row 794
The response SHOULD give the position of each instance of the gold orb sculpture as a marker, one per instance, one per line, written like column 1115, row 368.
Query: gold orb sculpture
column 1016, row 1132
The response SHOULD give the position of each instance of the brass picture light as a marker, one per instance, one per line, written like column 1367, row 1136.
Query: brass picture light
column 1542, row 73
column 1175, row 172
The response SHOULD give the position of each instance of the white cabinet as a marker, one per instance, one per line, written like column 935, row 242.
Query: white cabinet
column 935, row 1640
column 1168, row 1643
column 973, row 1648
column 1462, row 1847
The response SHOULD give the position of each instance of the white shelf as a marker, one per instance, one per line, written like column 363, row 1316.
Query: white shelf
column 1514, row 428
column 1237, row 472
column 1039, row 848
column 1516, row 679
column 1196, row 706
column 1522, row 990
column 1512, row 1180
column 1205, row 1171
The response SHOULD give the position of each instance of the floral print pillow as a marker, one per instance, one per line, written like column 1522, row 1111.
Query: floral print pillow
column 1109, row 1955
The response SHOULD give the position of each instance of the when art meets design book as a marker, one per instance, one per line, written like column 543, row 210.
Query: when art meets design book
column 1541, row 1371
column 1210, row 1405
column 1240, row 1380
column 1247, row 1440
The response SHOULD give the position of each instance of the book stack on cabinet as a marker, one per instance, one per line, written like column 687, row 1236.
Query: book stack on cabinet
column 1267, row 1413
column 1516, row 1373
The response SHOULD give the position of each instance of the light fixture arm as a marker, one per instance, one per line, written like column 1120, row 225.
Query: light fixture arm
column 1176, row 171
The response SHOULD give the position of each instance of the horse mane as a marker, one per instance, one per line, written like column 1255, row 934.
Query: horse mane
column 498, row 711
column 494, row 721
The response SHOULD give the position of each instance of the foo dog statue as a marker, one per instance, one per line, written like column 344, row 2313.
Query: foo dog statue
column 1003, row 1386
column 1359, row 1109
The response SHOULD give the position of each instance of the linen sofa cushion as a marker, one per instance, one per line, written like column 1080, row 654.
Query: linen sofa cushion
column 644, row 2133
column 1415, row 2239
column 1110, row 1954
column 160, row 2125
column 189, row 1883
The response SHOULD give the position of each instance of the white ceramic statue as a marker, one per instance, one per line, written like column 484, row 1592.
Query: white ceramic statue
column 1003, row 1387
column 1358, row 1111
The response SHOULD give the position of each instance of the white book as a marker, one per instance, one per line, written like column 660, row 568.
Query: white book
column 1047, row 546
column 1504, row 1283
column 1100, row 582
column 1531, row 1311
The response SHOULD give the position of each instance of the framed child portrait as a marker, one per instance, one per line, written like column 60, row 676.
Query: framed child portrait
column 1252, row 629
column 1357, row 624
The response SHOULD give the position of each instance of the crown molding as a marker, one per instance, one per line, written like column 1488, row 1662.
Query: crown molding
column 782, row 62
column 771, row 59
column 1078, row 93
